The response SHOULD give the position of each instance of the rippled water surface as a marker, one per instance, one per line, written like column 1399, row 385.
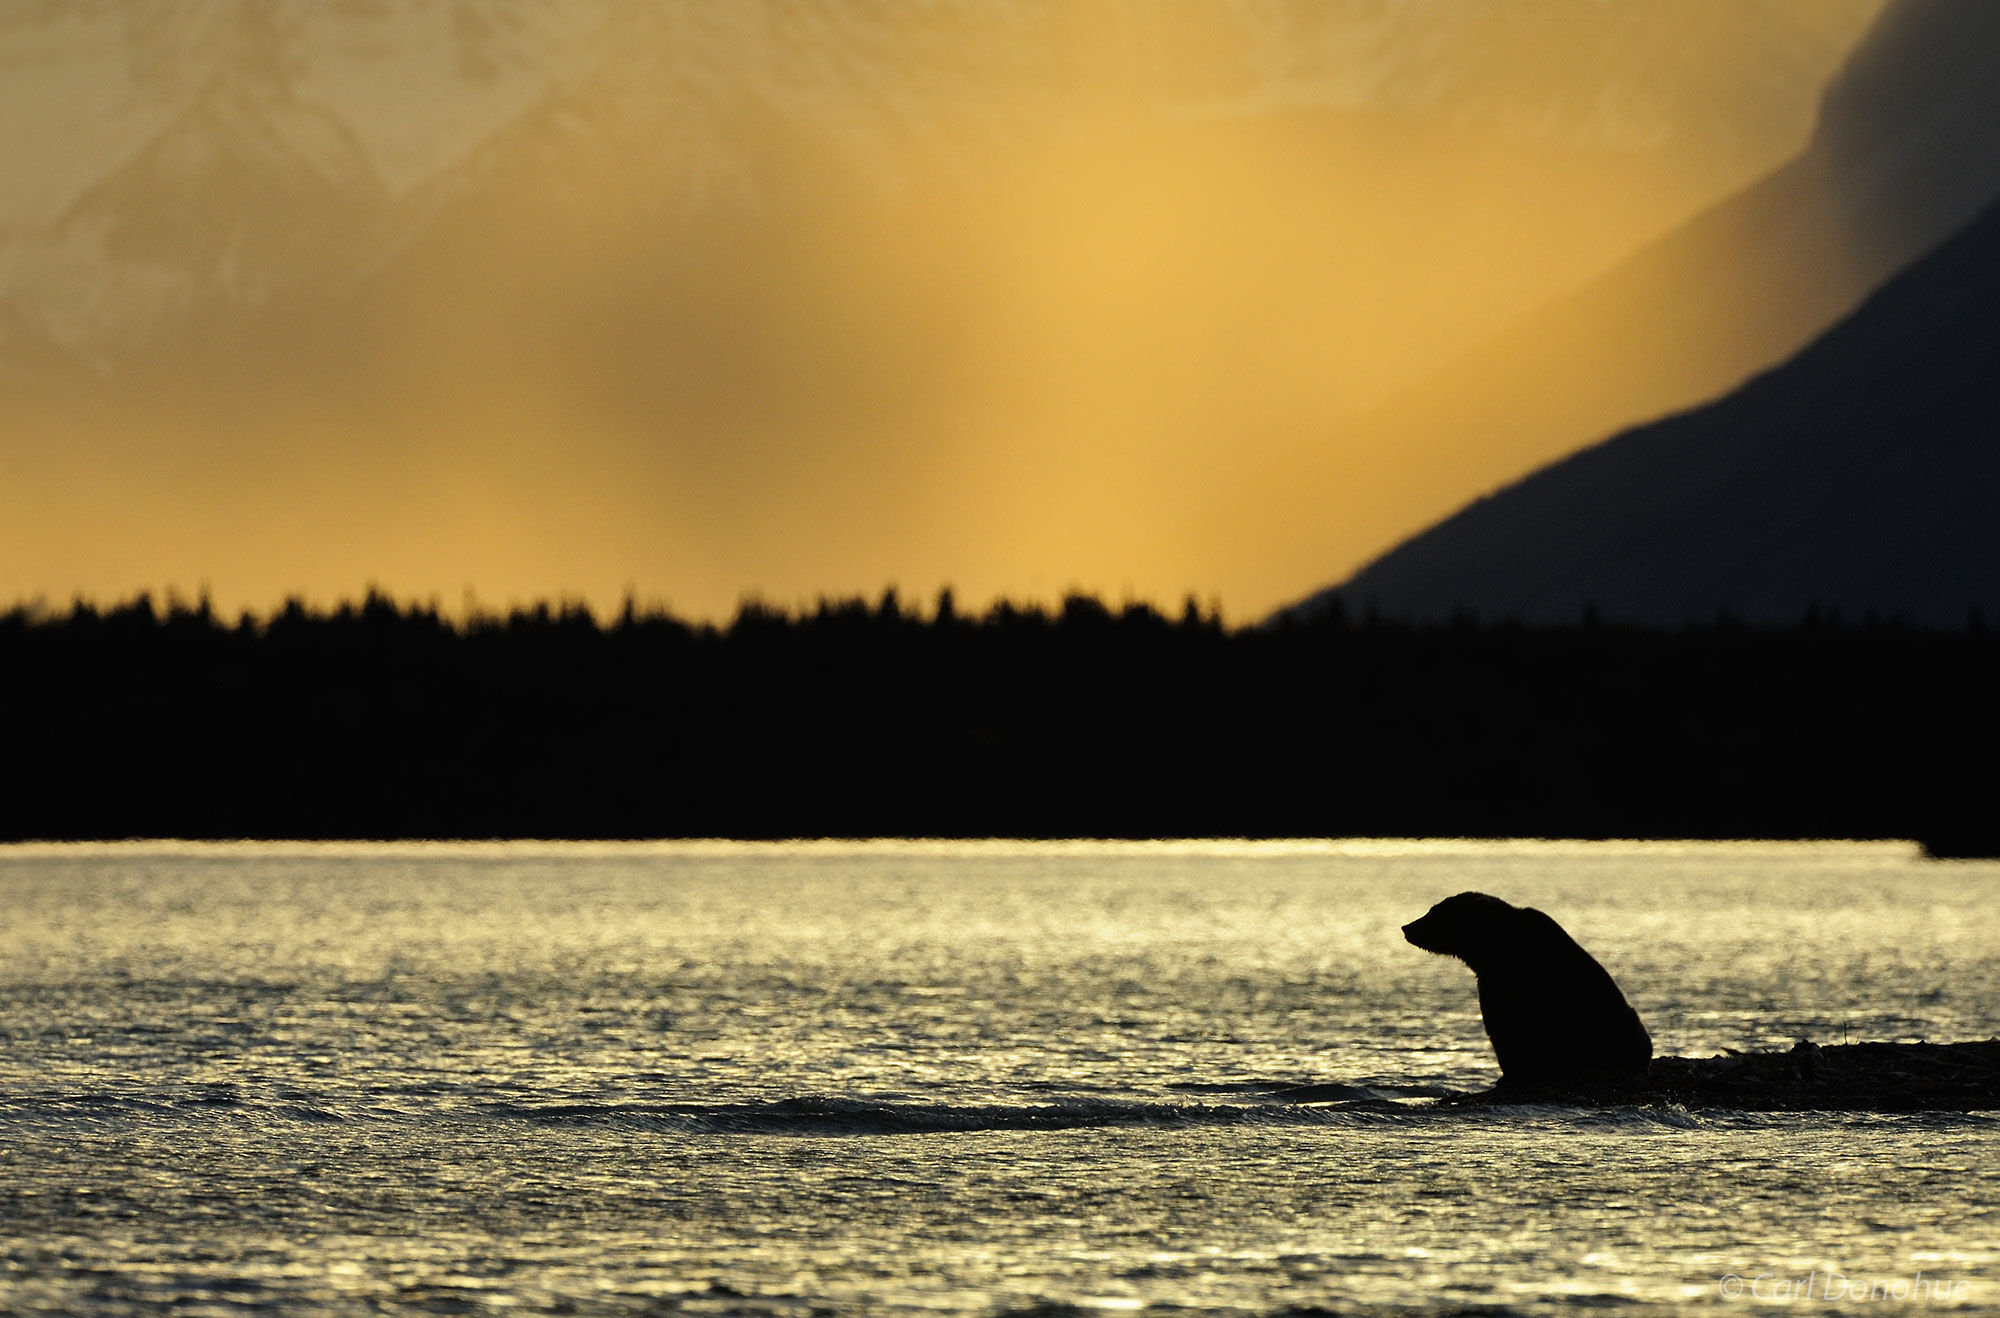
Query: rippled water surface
column 984, row 1078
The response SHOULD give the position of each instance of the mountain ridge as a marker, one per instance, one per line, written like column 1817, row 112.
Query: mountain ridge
column 1904, row 156
column 1856, row 480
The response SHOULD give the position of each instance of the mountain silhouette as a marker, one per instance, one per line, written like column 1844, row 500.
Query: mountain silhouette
column 1906, row 152
column 1861, row 478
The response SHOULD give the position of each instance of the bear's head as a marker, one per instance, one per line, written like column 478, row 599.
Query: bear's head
column 1465, row 926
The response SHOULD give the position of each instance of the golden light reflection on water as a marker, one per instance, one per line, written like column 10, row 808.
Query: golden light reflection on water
column 730, row 1079
column 767, row 1079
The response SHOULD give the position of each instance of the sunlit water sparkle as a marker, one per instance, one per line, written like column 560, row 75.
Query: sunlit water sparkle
column 946, row 1078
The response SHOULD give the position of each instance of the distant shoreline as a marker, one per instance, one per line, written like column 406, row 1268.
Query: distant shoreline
column 859, row 720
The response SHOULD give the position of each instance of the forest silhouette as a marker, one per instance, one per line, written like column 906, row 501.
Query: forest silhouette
column 872, row 718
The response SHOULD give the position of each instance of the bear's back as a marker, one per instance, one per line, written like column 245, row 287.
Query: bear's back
column 1553, row 1013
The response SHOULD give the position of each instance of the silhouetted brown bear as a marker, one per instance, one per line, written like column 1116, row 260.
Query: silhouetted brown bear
column 1554, row 1015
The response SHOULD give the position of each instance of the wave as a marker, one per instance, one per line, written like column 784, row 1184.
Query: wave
column 801, row 1115
column 832, row 1115
column 836, row 1116
column 1948, row 1083
column 116, row 1106
column 827, row 1115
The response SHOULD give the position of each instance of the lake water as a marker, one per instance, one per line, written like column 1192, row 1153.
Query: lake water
column 951, row 1078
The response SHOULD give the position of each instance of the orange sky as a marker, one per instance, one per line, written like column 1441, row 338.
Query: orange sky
column 1075, row 343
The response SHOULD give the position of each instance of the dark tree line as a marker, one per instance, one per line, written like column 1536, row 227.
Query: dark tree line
column 382, row 720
